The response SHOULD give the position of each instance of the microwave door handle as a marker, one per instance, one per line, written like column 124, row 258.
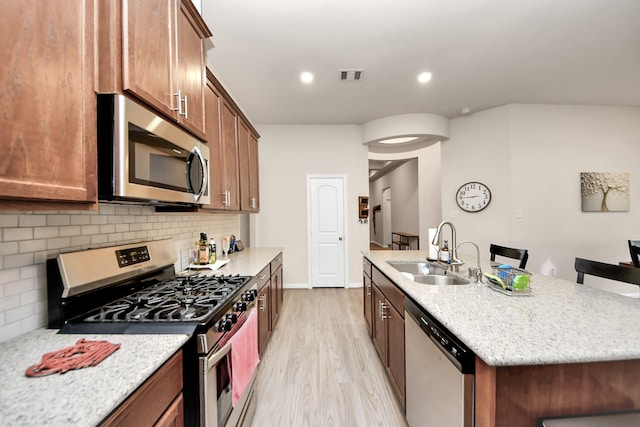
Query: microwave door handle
column 203, row 167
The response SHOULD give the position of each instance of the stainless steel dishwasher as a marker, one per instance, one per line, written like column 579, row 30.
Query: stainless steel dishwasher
column 440, row 373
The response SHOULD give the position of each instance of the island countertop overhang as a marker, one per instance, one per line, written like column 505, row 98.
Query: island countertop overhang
column 561, row 322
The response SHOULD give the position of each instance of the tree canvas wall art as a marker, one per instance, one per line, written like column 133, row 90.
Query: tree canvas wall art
column 605, row 191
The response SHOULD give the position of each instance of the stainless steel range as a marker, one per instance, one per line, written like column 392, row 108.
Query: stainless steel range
column 133, row 289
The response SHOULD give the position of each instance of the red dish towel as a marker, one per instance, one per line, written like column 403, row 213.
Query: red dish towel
column 244, row 355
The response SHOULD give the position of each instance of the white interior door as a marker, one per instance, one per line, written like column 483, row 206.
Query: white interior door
column 326, row 232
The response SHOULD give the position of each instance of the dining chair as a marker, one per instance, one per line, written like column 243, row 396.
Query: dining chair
column 634, row 250
column 606, row 271
column 520, row 254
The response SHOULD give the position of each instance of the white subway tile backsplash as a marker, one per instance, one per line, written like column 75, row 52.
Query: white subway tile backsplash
column 89, row 229
column 80, row 220
column 32, row 220
column 13, row 234
column 8, row 248
column 8, row 302
column 19, row 287
column 107, row 209
column 19, row 313
column 46, row 232
column 18, row 260
column 81, row 241
column 58, row 243
column 58, row 220
column 99, row 220
column 32, row 245
column 99, row 239
column 8, row 220
column 107, row 229
column 9, row 331
column 28, row 239
column 9, row 275
column 115, row 237
column 70, row 230
column 121, row 228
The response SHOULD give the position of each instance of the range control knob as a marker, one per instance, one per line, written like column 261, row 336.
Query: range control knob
column 249, row 295
column 224, row 325
column 233, row 317
column 240, row 306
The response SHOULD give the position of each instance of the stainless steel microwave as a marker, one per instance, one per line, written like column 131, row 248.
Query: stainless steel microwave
column 144, row 158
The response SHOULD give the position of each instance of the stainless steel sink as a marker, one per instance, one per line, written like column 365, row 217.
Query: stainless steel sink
column 440, row 279
column 428, row 273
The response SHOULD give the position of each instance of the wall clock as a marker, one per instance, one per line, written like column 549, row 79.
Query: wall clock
column 473, row 196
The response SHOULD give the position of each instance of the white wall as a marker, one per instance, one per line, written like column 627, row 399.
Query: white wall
column 288, row 154
column 531, row 157
column 405, row 217
column 28, row 239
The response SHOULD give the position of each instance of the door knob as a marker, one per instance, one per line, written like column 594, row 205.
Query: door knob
column 340, row 238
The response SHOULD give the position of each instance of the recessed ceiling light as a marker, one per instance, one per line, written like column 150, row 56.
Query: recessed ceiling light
column 424, row 77
column 398, row 140
column 306, row 77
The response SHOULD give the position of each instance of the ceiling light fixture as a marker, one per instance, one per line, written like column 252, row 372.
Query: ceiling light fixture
column 424, row 77
column 398, row 140
column 306, row 77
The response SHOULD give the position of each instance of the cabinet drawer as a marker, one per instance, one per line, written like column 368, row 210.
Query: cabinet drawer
column 366, row 267
column 276, row 263
column 152, row 399
column 389, row 289
column 263, row 277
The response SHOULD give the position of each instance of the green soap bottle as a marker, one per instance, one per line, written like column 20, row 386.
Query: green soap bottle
column 212, row 249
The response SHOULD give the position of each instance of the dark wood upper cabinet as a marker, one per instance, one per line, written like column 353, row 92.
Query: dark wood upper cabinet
column 154, row 50
column 48, row 104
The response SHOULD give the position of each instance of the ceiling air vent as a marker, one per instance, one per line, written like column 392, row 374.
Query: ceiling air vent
column 351, row 75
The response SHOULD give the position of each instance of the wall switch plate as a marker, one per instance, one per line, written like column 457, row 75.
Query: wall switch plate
column 519, row 214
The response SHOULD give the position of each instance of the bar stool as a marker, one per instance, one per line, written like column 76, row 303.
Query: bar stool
column 520, row 254
column 606, row 271
column 634, row 250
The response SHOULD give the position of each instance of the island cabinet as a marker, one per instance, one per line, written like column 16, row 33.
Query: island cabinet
column 158, row 402
column 367, row 292
column 48, row 105
column 154, row 51
column 388, row 330
column 522, row 395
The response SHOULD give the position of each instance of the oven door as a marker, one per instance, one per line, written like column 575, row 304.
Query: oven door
column 216, row 384
column 144, row 157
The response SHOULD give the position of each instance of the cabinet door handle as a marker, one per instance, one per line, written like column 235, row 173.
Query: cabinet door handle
column 179, row 107
column 186, row 108
column 383, row 308
column 253, row 203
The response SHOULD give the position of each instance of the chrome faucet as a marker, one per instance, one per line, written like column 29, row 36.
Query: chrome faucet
column 477, row 274
column 454, row 262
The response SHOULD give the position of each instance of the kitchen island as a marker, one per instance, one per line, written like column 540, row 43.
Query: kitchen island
column 566, row 349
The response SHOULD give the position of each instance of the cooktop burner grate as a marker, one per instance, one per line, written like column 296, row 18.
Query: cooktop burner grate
column 193, row 299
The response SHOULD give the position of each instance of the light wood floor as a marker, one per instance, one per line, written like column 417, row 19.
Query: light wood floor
column 321, row 369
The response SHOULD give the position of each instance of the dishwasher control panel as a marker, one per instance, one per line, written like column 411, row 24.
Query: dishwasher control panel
column 459, row 354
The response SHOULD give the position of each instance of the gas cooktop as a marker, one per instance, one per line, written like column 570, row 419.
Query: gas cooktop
column 192, row 299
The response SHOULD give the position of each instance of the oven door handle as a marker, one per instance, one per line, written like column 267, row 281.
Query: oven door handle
column 218, row 355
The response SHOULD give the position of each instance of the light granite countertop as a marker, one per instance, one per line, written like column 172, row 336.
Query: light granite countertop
column 85, row 397
column 248, row 262
column 82, row 397
column 560, row 322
